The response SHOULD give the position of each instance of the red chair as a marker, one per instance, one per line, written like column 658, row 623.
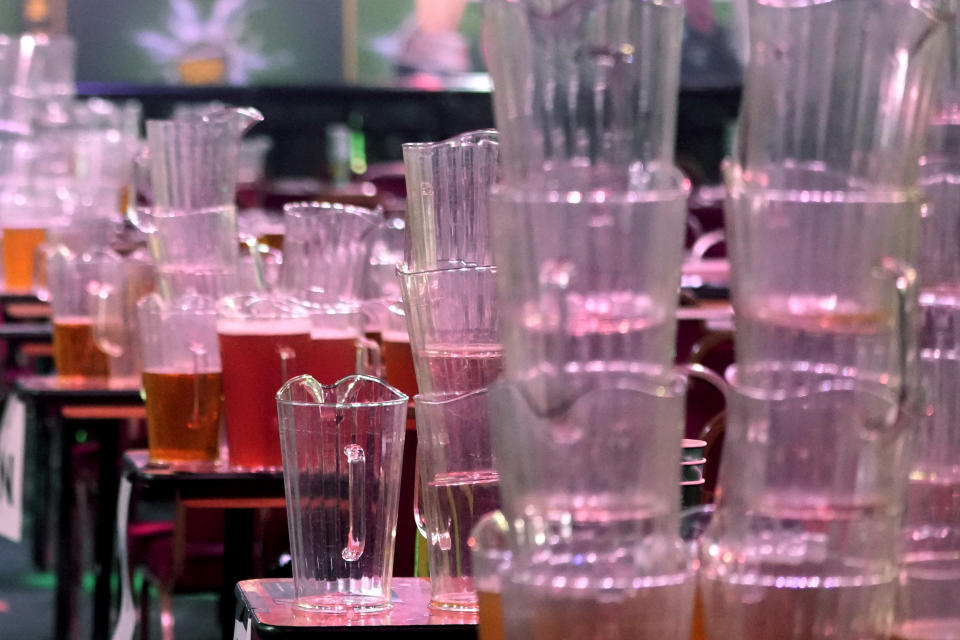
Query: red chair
column 183, row 556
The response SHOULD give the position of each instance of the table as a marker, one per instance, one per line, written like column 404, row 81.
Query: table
column 22, row 305
column 48, row 401
column 26, row 331
column 707, row 310
column 265, row 611
column 238, row 491
column 707, row 279
column 26, row 310
column 708, row 271
column 30, row 339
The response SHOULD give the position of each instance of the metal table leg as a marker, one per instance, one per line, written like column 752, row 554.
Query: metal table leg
column 108, row 478
column 68, row 556
column 237, row 562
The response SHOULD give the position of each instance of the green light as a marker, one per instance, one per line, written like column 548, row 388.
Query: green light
column 358, row 152
column 40, row 580
column 88, row 581
column 81, row 436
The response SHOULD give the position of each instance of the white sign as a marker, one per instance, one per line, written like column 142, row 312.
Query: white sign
column 12, row 429
column 243, row 629
column 127, row 620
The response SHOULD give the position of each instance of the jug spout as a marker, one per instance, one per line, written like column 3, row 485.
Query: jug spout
column 350, row 392
column 246, row 118
column 241, row 118
column 302, row 389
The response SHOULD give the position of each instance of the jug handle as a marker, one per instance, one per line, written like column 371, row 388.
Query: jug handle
column 199, row 353
column 712, row 378
column 418, row 518
column 287, row 355
column 905, row 282
column 140, row 216
column 369, row 359
column 253, row 246
column 102, row 320
column 40, row 275
column 356, row 467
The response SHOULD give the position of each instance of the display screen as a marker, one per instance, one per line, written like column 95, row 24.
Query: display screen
column 422, row 43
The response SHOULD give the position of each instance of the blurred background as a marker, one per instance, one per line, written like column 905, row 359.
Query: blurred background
column 393, row 70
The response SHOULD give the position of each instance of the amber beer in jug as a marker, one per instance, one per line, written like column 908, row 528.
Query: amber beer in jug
column 182, row 383
column 75, row 354
column 74, row 282
column 642, row 613
column 792, row 612
column 491, row 616
column 398, row 360
column 258, row 357
column 183, row 415
column 19, row 249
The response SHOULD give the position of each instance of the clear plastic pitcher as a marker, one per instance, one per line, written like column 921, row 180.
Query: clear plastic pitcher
column 929, row 585
column 36, row 70
column 74, row 281
column 588, row 282
column 116, row 328
column 192, row 222
column 103, row 161
column 93, row 299
column 589, row 490
column 822, row 276
column 94, row 217
column 568, row 483
column 930, row 535
column 325, row 261
column 326, row 251
column 342, row 452
column 490, row 551
column 545, row 603
column 264, row 342
column 841, row 87
column 35, row 199
column 803, row 541
column 182, row 378
column 453, row 316
column 585, row 90
column 459, row 484
column 448, row 184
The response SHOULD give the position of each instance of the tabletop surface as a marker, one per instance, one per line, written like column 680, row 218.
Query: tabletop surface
column 18, row 296
column 270, row 602
column 95, row 388
column 714, row 271
column 707, row 310
column 26, row 331
column 213, row 479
